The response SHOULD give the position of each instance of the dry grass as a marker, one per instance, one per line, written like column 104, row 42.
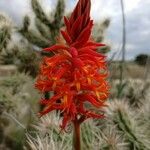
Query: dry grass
column 131, row 70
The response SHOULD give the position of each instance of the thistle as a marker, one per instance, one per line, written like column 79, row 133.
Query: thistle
column 76, row 74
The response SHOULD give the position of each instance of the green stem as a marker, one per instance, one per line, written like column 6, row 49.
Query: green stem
column 76, row 136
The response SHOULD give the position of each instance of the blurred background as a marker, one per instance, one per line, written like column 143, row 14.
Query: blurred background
column 26, row 27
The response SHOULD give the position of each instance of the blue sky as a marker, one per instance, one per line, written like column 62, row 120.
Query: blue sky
column 137, row 20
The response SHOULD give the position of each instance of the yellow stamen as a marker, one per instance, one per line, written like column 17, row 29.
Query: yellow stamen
column 55, row 82
column 97, row 94
column 54, row 78
column 54, row 85
column 65, row 100
column 85, row 69
column 78, row 86
column 89, row 80
column 67, row 53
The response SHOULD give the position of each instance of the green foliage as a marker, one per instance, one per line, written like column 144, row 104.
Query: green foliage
column 34, row 37
column 17, row 99
column 88, row 134
column 43, row 29
column 8, row 56
column 120, row 89
column 141, row 59
column 39, row 13
column 46, row 135
column 26, row 23
column 5, row 31
column 100, row 29
column 57, row 22
column 136, row 97
column 47, row 28
column 126, row 122
column 99, row 33
column 24, row 57
column 28, row 61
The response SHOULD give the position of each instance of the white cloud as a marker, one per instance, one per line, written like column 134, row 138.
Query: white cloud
column 131, row 4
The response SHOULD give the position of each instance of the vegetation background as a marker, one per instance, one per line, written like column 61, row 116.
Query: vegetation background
column 127, row 122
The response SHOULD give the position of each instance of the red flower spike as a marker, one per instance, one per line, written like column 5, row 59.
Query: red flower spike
column 76, row 73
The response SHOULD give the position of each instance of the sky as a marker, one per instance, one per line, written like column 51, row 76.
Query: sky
column 137, row 14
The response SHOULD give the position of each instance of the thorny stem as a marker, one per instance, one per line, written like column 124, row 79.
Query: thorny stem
column 76, row 135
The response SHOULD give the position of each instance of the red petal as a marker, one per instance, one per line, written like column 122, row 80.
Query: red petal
column 91, row 99
column 66, row 37
column 67, row 23
column 55, row 60
column 75, row 30
column 94, row 115
column 87, row 13
column 44, row 112
column 51, row 100
column 60, row 72
column 89, row 57
column 94, row 44
column 65, row 120
column 55, row 47
column 50, row 108
column 91, row 52
column 77, row 62
column 85, row 34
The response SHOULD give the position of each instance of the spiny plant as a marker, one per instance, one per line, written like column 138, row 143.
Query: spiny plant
column 47, row 28
column 46, row 143
column 135, row 96
column 93, row 137
column 5, row 31
column 9, row 56
column 119, row 114
column 5, row 39
column 110, row 139
column 23, row 57
column 27, row 60
column 144, row 114
column 16, row 99
column 46, row 133
column 99, row 34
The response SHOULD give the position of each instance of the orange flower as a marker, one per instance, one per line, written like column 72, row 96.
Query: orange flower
column 76, row 74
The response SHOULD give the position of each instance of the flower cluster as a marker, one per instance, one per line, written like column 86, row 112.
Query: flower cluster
column 76, row 74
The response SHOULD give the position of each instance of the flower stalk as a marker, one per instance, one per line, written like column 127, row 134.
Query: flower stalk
column 76, row 135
